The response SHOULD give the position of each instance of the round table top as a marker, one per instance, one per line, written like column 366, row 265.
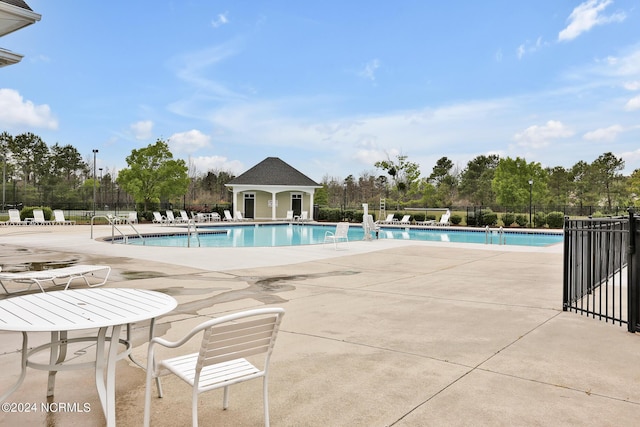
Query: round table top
column 82, row 309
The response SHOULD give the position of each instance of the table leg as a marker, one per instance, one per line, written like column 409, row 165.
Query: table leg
column 107, row 386
column 57, row 356
column 23, row 370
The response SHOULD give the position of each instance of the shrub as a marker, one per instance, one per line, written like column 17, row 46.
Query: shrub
column 521, row 220
column 27, row 212
column 455, row 219
column 489, row 218
column 555, row 219
column 508, row 219
column 540, row 219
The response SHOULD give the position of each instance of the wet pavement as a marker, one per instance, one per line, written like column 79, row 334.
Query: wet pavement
column 378, row 333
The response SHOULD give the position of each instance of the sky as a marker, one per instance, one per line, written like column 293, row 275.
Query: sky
column 330, row 87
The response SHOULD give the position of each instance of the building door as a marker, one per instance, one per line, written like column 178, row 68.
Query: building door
column 296, row 203
column 250, row 205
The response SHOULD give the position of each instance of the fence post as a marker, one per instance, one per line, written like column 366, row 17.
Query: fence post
column 633, row 304
column 565, row 278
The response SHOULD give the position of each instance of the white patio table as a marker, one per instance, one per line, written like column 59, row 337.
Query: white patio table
column 84, row 309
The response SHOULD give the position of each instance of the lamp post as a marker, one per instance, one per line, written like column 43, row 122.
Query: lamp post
column 94, row 181
column 530, row 200
column 100, row 196
column 344, row 200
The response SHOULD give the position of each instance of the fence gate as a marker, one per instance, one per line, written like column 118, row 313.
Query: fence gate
column 601, row 269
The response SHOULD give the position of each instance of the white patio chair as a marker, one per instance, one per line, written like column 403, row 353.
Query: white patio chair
column 289, row 216
column 58, row 215
column 14, row 218
column 184, row 217
column 38, row 217
column 388, row 220
column 221, row 362
column 405, row 220
column 132, row 218
column 159, row 219
column 227, row 216
column 339, row 235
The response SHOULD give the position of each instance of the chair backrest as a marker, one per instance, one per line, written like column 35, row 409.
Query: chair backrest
column 304, row 215
column 342, row 229
column 157, row 216
column 184, row 216
column 370, row 223
column 58, row 215
column 170, row 216
column 239, row 335
column 289, row 215
column 38, row 215
column 133, row 216
column 445, row 217
column 227, row 215
column 239, row 215
column 389, row 218
column 405, row 218
column 14, row 215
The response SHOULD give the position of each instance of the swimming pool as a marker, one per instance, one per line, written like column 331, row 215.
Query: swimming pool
column 268, row 235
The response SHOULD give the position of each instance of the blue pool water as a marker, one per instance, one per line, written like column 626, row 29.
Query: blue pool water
column 293, row 235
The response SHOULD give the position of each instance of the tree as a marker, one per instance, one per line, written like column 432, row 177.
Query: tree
column 605, row 169
column 559, row 185
column 511, row 182
column 154, row 175
column 402, row 172
column 475, row 180
column 633, row 186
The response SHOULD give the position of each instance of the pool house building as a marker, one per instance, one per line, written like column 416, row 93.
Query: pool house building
column 270, row 189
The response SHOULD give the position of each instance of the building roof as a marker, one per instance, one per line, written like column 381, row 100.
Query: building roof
column 14, row 15
column 273, row 171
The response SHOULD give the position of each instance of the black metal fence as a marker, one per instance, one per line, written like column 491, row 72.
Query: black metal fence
column 600, row 269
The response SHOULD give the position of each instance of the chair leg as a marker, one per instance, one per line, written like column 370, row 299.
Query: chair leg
column 265, row 392
column 194, row 407
column 225, row 399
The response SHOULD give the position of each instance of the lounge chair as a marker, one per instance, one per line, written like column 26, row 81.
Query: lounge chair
column 388, row 220
column 59, row 219
column 172, row 219
column 14, row 218
column 406, row 220
column 444, row 219
column 239, row 216
column 290, row 216
column 65, row 273
column 233, row 349
column 38, row 218
column 184, row 217
column 227, row 216
column 215, row 216
column 159, row 219
column 341, row 234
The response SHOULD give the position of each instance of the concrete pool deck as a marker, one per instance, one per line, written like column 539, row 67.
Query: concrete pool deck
column 377, row 334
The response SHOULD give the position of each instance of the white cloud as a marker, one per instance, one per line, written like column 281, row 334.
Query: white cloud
column 189, row 142
column 528, row 47
column 540, row 136
column 586, row 16
column 369, row 70
column 632, row 85
column 220, row 20
column 16, row 112
column 142, row 130
column 604, row 134
column 205, row 164
column 633, row 104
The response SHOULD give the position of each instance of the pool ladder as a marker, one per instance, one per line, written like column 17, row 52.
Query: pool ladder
column 189, row 232
column 488, row 236
column 113, row 221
